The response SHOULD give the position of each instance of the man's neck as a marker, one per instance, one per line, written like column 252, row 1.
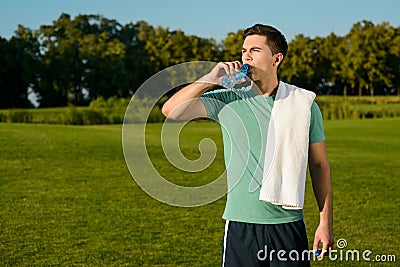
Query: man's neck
column 268, row 87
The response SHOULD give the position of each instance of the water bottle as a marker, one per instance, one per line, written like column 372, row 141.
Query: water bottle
column 230, row 80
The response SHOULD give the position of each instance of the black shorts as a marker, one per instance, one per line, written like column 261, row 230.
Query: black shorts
column 248, row 244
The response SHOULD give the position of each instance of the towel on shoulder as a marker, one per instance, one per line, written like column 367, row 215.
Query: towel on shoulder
column 286, row 156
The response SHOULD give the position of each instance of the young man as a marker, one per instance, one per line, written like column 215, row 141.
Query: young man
column 266, row 155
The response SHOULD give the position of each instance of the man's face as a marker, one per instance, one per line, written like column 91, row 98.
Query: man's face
column 258, row 55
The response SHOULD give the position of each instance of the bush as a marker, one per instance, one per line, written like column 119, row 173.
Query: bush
column 112, row 111
column 19, row 115
column 3, row 117
column 73, row 116
column 156, row 115
column 84, row 116
column 339, row 107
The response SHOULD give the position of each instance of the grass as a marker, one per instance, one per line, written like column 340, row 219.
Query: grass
column 67, row 197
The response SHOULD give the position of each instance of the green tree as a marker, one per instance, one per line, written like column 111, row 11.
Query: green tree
column 325, row 56
column 61, row 76
column 138, row 68
column 166, row 48
column 73, row 61
column 81, row 55
column 104, row 69
column 394, row 59
column 377, row 44
column 18, row 71
column 301, row 63
column 232, row 46
column 365, row 58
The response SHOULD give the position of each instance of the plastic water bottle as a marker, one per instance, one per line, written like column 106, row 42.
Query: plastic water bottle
column 230, row 80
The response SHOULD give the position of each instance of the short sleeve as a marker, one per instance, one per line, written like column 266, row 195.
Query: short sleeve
column 316, row 125
column 215, row 100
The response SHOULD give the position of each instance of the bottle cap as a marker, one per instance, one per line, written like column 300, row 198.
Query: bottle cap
column 244, row 68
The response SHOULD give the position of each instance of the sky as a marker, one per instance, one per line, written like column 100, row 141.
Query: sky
column 209, row 18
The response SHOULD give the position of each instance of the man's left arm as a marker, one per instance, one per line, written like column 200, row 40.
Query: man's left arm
column 322, row 186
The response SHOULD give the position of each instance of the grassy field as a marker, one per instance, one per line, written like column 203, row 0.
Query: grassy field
column 67, row 197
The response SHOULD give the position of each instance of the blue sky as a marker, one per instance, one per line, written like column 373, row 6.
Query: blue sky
column 208, row 18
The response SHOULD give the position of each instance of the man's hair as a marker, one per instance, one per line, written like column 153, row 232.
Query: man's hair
column 275, row 40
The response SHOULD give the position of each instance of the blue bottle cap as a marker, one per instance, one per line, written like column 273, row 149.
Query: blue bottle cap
column 244, row 68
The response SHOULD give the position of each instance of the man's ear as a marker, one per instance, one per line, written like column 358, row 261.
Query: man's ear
column 278, row 59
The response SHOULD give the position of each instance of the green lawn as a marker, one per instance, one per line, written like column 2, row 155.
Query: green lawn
column 67, row 197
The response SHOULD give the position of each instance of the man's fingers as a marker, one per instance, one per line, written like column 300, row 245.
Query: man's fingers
column 325, row 245
column 230, row 67
column 224, row 66
column 237, row 65
column 331, row 243
column 316, row 244
column 324, row 248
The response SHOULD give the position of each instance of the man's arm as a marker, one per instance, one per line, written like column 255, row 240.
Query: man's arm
column 185, row 104
column 322, row 186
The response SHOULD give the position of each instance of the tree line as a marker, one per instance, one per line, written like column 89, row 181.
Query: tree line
column 76, row 60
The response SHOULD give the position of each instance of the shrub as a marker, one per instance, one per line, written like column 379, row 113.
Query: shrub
column 73, row 116
column 19, row 115
column 112, row 111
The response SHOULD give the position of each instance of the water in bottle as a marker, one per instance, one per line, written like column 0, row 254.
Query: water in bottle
column 230, row 80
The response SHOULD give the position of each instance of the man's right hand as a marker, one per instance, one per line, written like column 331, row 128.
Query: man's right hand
column 186, row 105
column 221, row 69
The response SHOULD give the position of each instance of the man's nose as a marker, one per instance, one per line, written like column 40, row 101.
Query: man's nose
column 246, row 57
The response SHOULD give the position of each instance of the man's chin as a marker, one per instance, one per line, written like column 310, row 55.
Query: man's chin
column 252, row 77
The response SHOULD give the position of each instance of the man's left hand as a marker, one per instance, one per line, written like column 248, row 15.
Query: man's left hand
column 324, row 236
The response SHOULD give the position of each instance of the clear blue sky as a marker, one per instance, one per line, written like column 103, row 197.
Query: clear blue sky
column 208, row 18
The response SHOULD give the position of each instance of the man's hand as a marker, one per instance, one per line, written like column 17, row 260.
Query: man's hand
column 185, row 104
column 324, row 236
column 222, row 68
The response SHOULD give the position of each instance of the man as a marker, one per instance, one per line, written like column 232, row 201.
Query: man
column 256, row 226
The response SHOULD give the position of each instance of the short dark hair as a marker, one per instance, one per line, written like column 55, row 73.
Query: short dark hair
column 275, row 40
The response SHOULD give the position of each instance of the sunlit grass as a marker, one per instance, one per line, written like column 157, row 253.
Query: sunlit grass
column 67, row 197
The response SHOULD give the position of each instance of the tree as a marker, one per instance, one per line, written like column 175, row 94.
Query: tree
column 365, row 56
column 394, row 59
column 73, row 61
column 232, row 46
column 83, row 59
column 137, row 65
column 301, row 63
column 377, row 44
column 164, row 48
column 104, row 68
column 19, row 58
column 61, row 76
column 326, row 53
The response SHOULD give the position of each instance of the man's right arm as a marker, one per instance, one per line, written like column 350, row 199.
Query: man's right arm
column 186, row 104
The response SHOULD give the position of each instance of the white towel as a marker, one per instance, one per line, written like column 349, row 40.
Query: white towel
column 286, row 153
